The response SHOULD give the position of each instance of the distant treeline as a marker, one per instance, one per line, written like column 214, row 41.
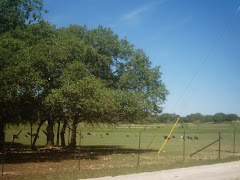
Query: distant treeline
column 196, row 118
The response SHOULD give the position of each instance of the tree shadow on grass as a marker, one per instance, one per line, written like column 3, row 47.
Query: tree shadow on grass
column 17, row 153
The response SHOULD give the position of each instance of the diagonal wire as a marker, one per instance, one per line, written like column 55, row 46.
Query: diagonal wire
column 212, row 49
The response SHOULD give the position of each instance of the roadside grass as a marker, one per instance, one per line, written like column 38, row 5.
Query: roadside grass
column 117, row 153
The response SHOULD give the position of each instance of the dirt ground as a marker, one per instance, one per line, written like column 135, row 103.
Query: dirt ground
column 223, row 171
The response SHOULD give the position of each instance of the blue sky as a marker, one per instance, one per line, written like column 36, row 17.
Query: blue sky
column 196, row 43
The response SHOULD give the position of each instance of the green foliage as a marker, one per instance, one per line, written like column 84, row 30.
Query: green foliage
column 167, row 118
column 24, row 68
column 51, row 63
column 219, row 117
column 83, row 96
column 197, row 118
column 194, row 117
column 15, row 13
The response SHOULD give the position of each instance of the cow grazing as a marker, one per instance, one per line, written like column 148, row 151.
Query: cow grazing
column 182, row 137
column 173, row 137
column 165, row 137
column 89, row 134
column 107, row 134
column 195, row 138
column 189, row 138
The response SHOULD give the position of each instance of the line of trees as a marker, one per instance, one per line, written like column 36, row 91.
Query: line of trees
column 70, row 75
column 196, row 118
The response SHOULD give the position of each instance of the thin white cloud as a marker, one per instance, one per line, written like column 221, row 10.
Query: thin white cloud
column 136, row 12
column 132, row 18
column 141, row 10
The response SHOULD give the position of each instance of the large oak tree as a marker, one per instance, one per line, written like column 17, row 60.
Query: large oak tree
column 72, row 74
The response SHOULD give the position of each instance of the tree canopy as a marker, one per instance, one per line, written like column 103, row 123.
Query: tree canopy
column 17, row 13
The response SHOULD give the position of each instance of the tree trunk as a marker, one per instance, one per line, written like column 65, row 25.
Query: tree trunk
column 2, row 134
column 50, row 133
column 62, row 133
column 69, row 130
column 35, row 138
column 72, row 144
column 58, row 132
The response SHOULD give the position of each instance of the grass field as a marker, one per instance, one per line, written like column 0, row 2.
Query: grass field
column 118, row 152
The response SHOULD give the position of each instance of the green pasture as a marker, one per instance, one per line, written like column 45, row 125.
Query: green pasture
column 127, row 136
column 118, row 152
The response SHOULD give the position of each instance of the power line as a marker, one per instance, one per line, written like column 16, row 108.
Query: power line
column 212, row 49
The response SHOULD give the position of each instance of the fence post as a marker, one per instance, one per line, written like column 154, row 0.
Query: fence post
column 234, row 138
column 219, row 148
column 139, row 147
column 80, row 137
column 184, row 145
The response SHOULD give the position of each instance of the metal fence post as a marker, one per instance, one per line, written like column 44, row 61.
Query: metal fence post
column 80, row 137
column 139, row 147
column 184, row 145
column 219, row 148
column 234, row 140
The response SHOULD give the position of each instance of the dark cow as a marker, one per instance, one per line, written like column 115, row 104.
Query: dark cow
column 165, row 137
column 189, row 138
column 195, row 138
